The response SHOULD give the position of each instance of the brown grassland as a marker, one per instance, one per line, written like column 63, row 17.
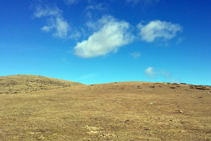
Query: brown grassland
column 40, row 108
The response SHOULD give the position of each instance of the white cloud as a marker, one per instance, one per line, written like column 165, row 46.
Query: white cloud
column 41, row 12
column 55, row 21
column 112, row 35
column 61, row 28
column 94, row 11
column 158, row 29
column 47, row 28
column 150, row 72
column 135, row 54
column 95, row 7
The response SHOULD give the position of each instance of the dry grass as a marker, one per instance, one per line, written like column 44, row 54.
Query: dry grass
column 14, row 84
column 122, row 111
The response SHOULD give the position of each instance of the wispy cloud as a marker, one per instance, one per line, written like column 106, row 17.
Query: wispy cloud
column 95, row 11
column 135, row 54
column 61, row 28
column 168, row 76
column 95, row 7
column 150, row 72
column 111, row 35
column 158, row 29
column 55, row 20
column 46, row 11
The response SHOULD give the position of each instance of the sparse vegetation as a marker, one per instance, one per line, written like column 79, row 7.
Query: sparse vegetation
column 114, row 111
column 15, row 84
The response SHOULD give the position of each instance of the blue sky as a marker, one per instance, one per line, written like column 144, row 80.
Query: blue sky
column 91, row 41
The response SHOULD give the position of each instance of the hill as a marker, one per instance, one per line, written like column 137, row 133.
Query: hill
column 14, row 84
column 119, row 111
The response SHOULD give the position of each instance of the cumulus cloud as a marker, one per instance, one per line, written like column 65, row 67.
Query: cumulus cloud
column 150, row 72
column 158, row 29
column 111, row 35
column 55, row 19
column 135, row 54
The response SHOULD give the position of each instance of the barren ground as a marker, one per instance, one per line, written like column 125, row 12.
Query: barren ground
column 122, row 111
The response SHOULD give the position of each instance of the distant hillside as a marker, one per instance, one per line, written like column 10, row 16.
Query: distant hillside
column 14, row 84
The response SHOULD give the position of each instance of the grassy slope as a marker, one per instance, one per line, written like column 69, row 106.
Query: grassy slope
column 122, row 111
column 14, row 84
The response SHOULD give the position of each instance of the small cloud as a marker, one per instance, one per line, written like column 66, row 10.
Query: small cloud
column 169, row 77
column 46, row 11
column 47, row 28
column 150, row 72
column 95, row 7
column 55, row 19
column 94, row 11
column 112, row 34
column 158, row 29
column 62, row 27
column 135, row 54
column 59, row 25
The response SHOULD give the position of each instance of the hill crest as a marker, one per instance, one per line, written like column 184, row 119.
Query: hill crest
column 14, row 84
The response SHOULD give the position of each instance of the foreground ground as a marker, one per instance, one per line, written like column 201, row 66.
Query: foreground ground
column 122, row 111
